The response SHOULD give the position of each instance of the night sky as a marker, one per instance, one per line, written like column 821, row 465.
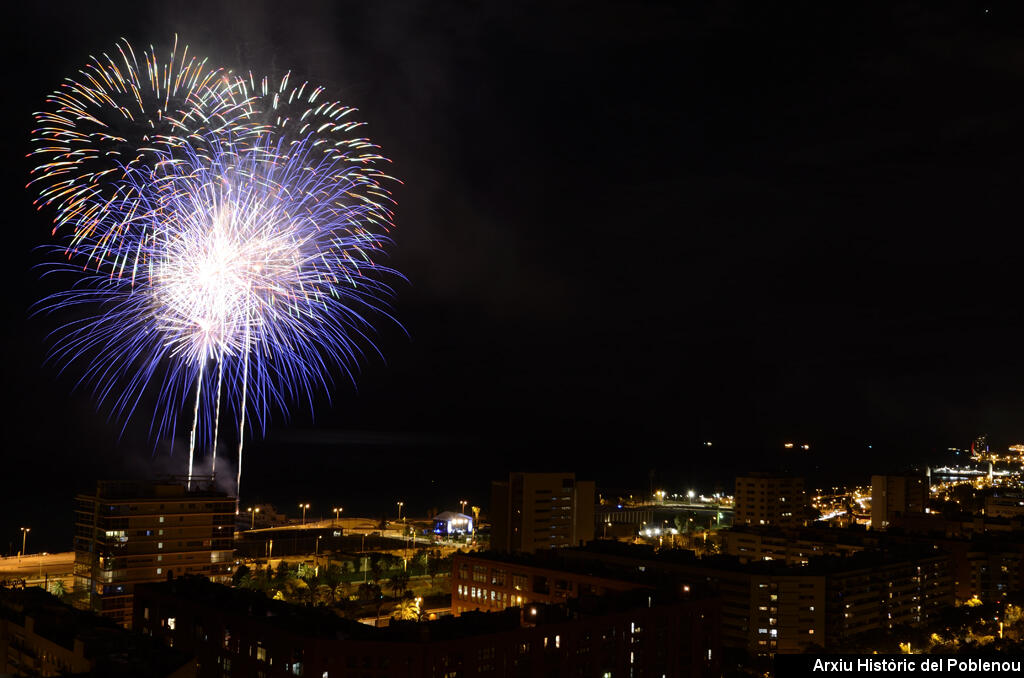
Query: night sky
column 628, row 228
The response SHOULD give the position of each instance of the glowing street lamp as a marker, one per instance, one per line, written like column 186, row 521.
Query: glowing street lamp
column 24, row 536
column 304, row 507
column 336, row 512
column 253, row 512
column 400, row 505
column 463, row 502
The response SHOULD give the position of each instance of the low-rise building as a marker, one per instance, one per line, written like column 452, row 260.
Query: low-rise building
column 449, row 523
column 40, row 636
column 241, row 632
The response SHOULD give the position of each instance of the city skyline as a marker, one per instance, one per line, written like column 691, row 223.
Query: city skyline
column 702, row 243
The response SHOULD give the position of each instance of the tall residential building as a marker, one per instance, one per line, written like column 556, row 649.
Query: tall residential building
column 127, row 533
column 895, row 496
column 771, row 607
column 536, row 511
column 769, row 499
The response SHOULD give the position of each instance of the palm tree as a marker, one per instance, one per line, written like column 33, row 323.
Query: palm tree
column 399, row 582
column 407, row 609
column 297, row 590
column 376, row 568
column 57, row 588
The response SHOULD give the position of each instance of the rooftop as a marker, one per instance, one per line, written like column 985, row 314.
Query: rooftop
column 115, row 651
column 320, row 622
column 822, row 565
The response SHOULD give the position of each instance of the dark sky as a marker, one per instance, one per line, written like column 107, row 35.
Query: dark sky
column 628, row 228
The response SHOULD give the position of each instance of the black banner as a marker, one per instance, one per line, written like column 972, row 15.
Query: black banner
column 800, row 665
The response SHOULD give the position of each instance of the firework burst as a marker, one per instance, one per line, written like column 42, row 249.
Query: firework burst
column 235, row 253
column 121, row 113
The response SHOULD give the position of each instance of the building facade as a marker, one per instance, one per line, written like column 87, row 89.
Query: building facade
column 894, row 496
column 127, row 533
column 538, row 511
column 40, row 636
column 770, row 500
column 236, row 632
column 771, row 607
column 489, row 582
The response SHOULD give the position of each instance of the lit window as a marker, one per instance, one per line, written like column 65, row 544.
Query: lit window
column 171, row 622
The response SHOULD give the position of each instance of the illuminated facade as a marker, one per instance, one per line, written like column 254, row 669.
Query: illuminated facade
column 127, row 533
column 450, row 522
column 538, row 511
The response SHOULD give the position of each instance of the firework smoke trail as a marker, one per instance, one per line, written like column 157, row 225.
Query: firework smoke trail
column 216, row 417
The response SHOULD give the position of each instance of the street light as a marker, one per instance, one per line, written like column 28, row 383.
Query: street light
column 336, row 512
column 24, row 535
column 253, row 512
column 304, row 507
column 463, row 502
column 400, row 505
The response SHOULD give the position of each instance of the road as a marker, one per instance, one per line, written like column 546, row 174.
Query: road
column 38, row 568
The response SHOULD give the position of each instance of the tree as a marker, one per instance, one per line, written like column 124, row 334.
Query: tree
column 408, row 609
column 297, row 591
column 368, row 592
column 342, row 591
column 376, row 568
column 399, row 582
column 57, row 588
column 323, row 595
column 282, row 574
column 305, row 572
column 435, row 566
column 420, row 559
column 241, row 573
